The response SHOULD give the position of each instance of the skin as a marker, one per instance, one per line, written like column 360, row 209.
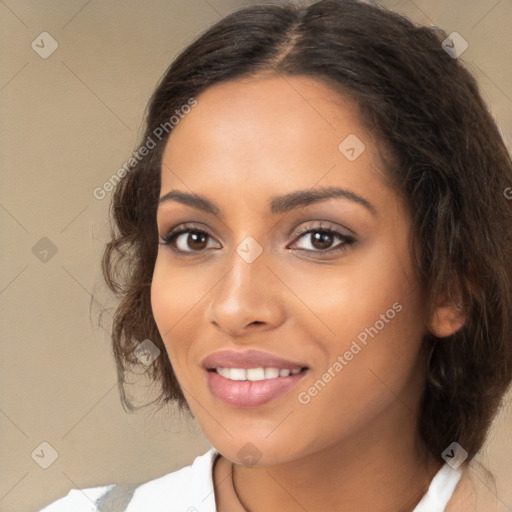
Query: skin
column 355, row 445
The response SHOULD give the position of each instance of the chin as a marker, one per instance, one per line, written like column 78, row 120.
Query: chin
column 257, row 450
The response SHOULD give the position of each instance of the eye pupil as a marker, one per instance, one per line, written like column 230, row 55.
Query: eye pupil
column 324, row 238
column 195, row 237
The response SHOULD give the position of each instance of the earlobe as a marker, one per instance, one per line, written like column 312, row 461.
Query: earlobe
column 447, row 319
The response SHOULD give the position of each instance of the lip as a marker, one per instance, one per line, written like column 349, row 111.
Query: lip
column 249, row 359
column 246, row 394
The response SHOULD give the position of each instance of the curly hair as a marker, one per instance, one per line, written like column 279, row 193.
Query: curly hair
column 446, row 159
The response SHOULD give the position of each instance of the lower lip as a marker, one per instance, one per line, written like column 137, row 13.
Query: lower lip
column 246, row 393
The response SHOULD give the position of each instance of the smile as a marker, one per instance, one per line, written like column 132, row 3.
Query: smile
column 255, row 374
column 244, row 388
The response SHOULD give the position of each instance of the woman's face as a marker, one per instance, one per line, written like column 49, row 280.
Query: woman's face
column 267, row 277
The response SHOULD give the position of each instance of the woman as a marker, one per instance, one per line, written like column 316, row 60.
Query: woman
column 312, row 256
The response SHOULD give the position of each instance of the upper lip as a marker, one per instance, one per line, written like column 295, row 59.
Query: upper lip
column 248, row 359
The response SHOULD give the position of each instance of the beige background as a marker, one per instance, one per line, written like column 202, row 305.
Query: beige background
column 69, row 122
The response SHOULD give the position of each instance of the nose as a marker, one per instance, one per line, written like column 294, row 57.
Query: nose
column 249, row 296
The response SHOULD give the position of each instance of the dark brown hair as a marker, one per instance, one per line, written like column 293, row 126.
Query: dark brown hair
column 447, row 160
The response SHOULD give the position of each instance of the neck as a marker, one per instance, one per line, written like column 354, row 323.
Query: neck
column 382, row 469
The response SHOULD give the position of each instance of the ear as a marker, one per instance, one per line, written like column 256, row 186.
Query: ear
column 447, row 319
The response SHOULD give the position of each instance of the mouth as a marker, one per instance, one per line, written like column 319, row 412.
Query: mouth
column 252, row 387
column 251, row 378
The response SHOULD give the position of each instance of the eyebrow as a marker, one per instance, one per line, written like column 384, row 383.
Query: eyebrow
column 278, row 204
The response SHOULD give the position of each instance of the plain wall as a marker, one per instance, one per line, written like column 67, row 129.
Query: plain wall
column 69, row 122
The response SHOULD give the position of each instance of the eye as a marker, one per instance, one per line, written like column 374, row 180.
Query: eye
column 196, row 239
column 323, row 238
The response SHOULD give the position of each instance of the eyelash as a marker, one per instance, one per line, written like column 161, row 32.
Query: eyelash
column 347, row 240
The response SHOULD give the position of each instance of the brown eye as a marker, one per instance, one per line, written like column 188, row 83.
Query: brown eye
column 321, row 239
column 196, row 240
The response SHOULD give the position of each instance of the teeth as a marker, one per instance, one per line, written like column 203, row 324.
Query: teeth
column 225, row 372
column 237, row 374
column 255, row 374
column 271, row 373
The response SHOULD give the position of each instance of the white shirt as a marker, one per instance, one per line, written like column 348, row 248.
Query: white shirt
column 190, row 489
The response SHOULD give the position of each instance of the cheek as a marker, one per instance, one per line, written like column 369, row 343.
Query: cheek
column 162, row 299
column 361, row 379
column 367, row 288
column 171, row 300
column 369, row 313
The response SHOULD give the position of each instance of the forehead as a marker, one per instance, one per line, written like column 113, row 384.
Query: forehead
column 269, row 133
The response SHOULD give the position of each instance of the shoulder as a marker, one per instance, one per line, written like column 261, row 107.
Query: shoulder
column 188, row 489
column 78, row 500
